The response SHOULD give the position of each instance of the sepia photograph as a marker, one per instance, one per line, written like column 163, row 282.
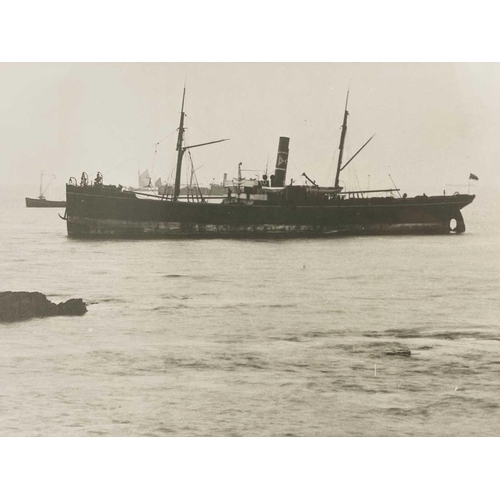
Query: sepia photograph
column 274, row 249
column 302, row 254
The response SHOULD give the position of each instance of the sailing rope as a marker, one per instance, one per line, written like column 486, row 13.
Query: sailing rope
column 43, row 192
column 198, row 127
column 137, row 155
column 197, row 190
column 332, row 169
column 154, row 159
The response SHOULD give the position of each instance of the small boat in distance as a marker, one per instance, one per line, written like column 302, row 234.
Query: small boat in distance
column 41, row 201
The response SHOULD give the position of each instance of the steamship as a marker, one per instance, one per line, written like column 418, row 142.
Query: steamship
column 257, row 208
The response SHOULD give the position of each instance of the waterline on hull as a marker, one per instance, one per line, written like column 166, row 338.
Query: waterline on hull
column 107, row 228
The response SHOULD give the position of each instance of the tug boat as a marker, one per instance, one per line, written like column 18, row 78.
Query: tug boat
column 41, row 201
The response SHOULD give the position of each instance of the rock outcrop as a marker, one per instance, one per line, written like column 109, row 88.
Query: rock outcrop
column 19, row 306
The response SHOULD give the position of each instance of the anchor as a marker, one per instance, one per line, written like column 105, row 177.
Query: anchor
column 65, row 216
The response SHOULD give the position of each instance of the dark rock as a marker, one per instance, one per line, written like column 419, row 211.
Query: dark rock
column 18, row 306
column 72, row 307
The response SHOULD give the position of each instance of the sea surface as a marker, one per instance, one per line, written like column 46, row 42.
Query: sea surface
column 252, row 338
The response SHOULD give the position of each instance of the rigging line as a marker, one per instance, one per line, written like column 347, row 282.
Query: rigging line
column 188, row 181
column 358, row 185
column 190, row 187
column 154, row 158
column 136, row 155
column 198, row 186
column 197, row 126
column 194, row 177
column 47, row 187
column 166, row 137
column 331, row 172
column 395, row 185
column 355, row 177
column 190, row 170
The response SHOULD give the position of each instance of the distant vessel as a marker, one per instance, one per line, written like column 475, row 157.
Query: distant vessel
column 257, row 208
column 219, row 189
column 144, row 180
column 41, row 202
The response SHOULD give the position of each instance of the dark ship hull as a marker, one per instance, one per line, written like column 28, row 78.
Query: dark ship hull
column 43, row 203
column 256, row 208
column 99, row 211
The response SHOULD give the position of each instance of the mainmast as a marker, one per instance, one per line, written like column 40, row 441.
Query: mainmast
column 41, row 181
column 342, row 140
column 180, row 151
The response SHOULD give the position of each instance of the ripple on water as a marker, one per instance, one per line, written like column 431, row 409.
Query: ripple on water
column 238, row 338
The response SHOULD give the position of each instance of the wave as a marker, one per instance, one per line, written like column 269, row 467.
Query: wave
column 448, row 334
column 175, row 297
column 104, row 300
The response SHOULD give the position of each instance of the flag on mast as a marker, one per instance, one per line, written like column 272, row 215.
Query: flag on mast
column 473, row 177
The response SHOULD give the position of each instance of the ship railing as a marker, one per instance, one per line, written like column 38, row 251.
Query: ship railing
column 361, row 194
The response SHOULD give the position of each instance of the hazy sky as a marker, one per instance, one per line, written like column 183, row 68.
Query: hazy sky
column 434, row 123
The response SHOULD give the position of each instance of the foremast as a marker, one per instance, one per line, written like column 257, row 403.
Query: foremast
column 182, row 149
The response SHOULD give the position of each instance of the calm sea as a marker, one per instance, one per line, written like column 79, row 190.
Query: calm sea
column 252, row 338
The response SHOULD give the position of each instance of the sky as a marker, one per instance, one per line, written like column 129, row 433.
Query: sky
column 435, row 123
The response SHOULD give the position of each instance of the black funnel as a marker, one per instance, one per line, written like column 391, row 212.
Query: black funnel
column 281, row 162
